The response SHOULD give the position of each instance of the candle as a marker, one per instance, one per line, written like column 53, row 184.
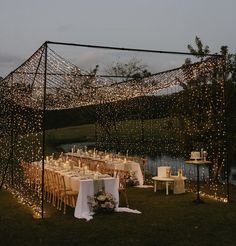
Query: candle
column 95, row 175
column 71, row 165
column 61, row 155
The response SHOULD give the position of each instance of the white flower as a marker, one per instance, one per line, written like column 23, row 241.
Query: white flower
column 102, row 201
column 101, row 198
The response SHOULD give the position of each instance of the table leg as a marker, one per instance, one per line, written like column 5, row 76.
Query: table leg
column 167, row 188
column 155, row 186
column 198, row 200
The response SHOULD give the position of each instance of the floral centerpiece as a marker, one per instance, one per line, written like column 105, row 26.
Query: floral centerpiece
column 132, row 180
column 102, row 202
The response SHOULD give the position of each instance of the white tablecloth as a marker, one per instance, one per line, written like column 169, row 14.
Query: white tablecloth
column 130, row 166
column 82, row 210
column 85, row 187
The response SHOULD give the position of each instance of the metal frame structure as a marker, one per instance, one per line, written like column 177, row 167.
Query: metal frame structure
column 44, row 73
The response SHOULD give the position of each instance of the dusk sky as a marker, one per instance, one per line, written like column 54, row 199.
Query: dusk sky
column 146, row 24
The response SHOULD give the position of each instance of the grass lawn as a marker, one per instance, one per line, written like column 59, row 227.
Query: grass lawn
column 55, row 137
column 153, row 129
column 165, row 220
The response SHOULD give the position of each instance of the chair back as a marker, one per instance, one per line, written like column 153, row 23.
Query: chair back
column 163, row 171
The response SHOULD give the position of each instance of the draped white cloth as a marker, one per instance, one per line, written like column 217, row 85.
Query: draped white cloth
column 130, row 166
column 82, row 209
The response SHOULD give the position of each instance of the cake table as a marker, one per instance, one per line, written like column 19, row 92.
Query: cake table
column 198, row 163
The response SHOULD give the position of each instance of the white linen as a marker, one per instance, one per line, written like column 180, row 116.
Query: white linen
column 179, row 185
column 130, row 166
column 82, row 210
column 127, row 210
column 135, row 167
column 85, row 187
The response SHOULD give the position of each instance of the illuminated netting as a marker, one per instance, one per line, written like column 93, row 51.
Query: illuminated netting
column 171, row 112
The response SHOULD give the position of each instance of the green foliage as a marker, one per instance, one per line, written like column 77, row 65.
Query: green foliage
column 230, row 93
column 200, row 49
column 133, row 68
column 70, row 117
column 56, row 137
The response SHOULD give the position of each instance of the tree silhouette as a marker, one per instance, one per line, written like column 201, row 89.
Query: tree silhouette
column 199, row 50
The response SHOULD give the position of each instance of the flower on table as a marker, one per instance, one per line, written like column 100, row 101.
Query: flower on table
column 102, row 202
column 101, row 198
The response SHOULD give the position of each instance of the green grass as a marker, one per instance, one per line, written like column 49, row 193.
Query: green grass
column 165, row 220
column 126, row 130
column 55, row 137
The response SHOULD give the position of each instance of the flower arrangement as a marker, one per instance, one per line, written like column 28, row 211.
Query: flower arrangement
column 102, row 202
column 132, row 180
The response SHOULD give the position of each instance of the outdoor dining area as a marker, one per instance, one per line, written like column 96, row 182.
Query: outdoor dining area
column 49, row 101
column 78, row 178
column 73, row 178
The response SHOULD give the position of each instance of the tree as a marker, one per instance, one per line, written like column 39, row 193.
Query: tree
column 199, row 50
column 133, row 69
column 229, row 70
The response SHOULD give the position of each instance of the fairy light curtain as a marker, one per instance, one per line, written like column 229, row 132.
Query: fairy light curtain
column 173, row 112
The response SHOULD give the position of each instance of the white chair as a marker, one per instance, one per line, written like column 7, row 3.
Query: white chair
column 163, row 171
column 164, row 180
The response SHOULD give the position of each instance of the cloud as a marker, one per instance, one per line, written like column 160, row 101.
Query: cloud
column 90, row 59
column 8, row 62
column 6, row 59
column 63, row 28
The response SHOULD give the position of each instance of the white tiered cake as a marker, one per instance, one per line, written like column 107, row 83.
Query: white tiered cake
column 196, row 155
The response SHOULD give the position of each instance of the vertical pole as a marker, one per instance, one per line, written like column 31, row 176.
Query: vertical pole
column 198, row 195
column 141, row 109
column 43, row 124
column 12, row 137
column 12, row 151
column 225, row 120
column 226, row 126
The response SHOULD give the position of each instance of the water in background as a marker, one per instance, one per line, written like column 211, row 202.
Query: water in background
column 190, row 171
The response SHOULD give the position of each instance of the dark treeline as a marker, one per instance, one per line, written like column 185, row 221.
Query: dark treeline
column 150, row 107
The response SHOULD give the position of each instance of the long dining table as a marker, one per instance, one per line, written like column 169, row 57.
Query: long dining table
column 84, row 182
column 114, row 163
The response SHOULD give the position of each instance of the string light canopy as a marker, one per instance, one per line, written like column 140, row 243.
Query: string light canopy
column 172, row 112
